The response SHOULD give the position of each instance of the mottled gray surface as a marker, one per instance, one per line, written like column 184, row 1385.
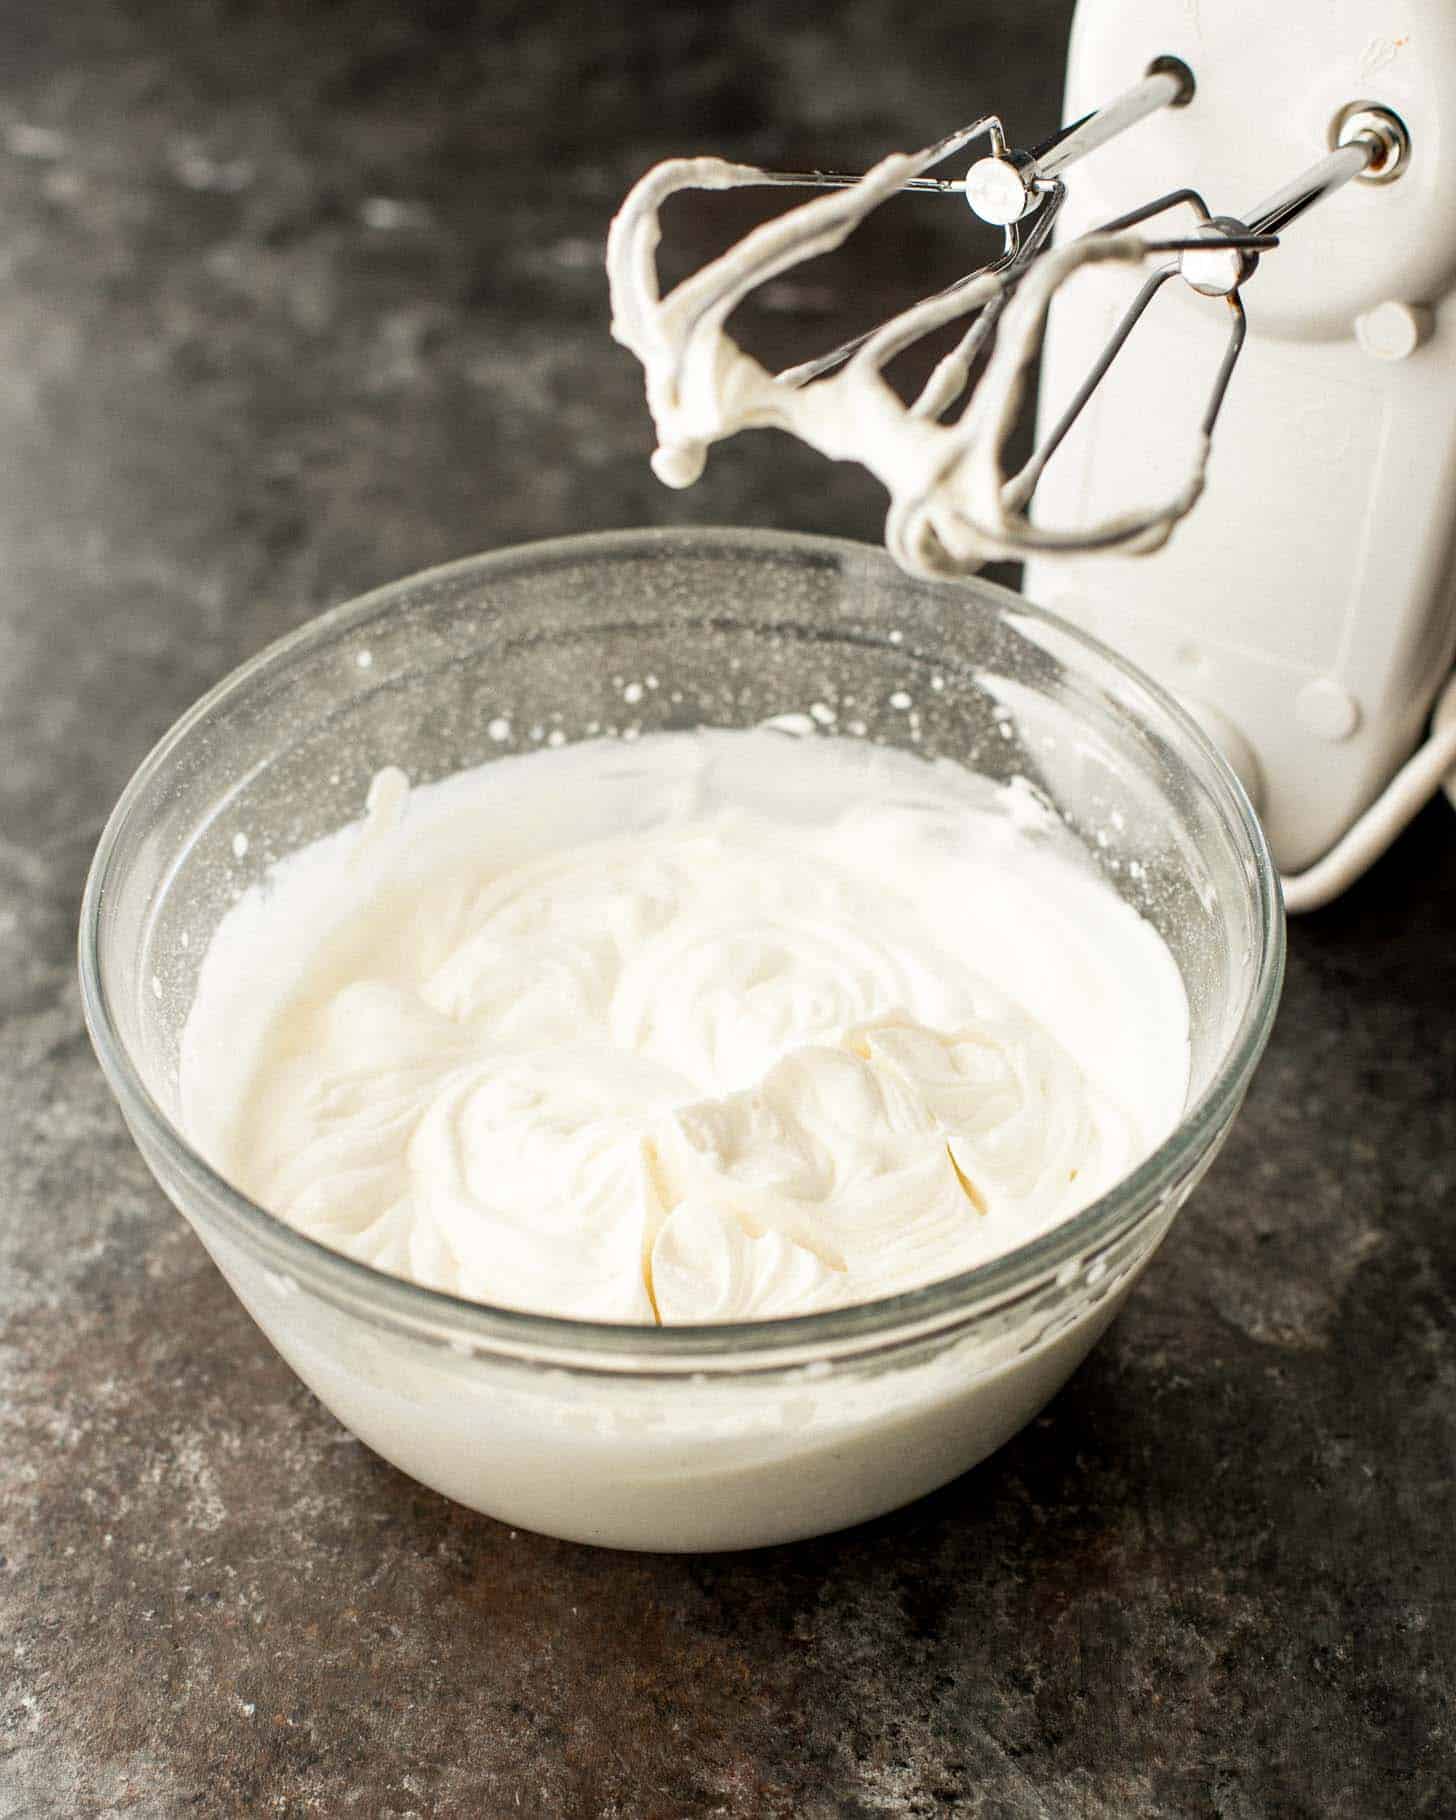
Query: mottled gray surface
column 296, row 299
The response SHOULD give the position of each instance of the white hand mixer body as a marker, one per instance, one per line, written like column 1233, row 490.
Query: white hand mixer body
column 1305, row 611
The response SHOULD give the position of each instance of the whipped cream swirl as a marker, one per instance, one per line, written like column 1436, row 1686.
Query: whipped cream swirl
column 741, row 1057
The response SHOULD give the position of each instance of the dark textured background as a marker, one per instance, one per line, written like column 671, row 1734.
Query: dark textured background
column 294, row 299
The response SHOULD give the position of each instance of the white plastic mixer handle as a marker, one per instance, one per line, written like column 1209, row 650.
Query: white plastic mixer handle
column 1306, row 610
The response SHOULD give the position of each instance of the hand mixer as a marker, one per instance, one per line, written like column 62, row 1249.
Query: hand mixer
column 1305, row 611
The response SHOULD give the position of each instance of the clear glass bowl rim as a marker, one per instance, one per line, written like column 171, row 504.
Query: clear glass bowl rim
column 953, row 1300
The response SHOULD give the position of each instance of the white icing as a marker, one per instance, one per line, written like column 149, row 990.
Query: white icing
column 714, row 1026
column 953, row 504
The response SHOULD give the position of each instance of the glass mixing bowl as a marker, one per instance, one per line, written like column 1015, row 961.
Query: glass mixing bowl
column 707, row 1437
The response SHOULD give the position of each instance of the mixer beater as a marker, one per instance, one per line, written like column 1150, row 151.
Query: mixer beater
column 953, row 505
column 942, row 454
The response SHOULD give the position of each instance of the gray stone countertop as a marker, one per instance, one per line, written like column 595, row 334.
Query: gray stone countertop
column 296, row 299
